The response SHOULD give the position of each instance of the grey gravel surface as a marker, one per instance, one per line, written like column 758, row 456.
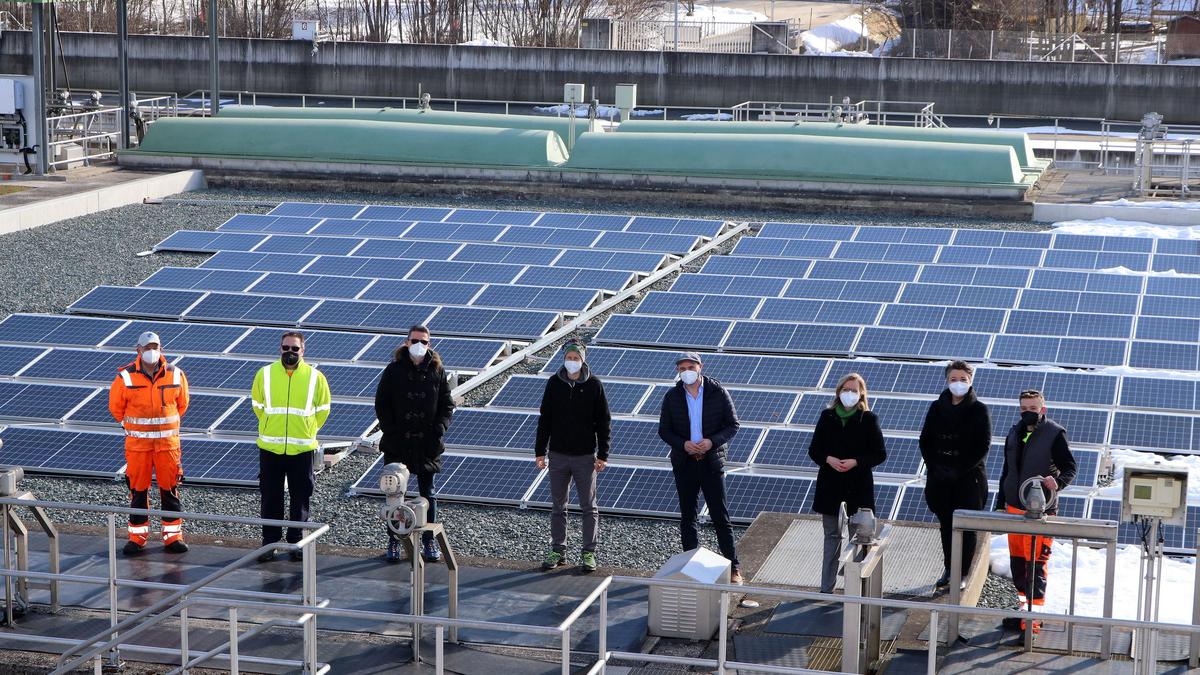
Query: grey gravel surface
column 998, row 593
column 47, row 268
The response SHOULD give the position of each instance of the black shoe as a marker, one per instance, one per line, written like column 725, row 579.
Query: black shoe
column 176, row 546
column 1012, row 623
column 267, row 557
column 133, row 548
column 944, row 580
column 296, row 556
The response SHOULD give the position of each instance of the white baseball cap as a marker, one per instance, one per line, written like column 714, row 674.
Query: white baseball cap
column 149, row 337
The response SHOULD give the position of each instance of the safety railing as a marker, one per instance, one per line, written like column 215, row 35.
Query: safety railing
column 903, row 113
column 96, row 133
column 306, row 607
column 937, row 612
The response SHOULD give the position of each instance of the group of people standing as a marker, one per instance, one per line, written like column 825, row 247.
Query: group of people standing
column 697, row 421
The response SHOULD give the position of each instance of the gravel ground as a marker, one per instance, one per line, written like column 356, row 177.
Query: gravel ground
column 49, row 267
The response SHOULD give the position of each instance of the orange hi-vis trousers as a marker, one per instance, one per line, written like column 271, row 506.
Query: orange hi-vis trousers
column 1027, row 555
column 164, row 466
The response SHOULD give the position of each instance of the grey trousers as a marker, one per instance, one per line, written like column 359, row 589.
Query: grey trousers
column 582, row 469
column 833, row 550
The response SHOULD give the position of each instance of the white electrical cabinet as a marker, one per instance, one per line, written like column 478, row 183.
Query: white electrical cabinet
column 1154, row 491
column 18, row 125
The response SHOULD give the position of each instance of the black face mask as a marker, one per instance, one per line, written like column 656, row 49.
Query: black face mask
column 1030, row 418
column 290, row 358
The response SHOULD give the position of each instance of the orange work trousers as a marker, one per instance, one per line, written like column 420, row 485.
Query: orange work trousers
column 1027, row 556
column 164, row 467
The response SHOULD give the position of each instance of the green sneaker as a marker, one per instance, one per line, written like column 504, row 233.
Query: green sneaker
column 553, row 559
column 588, row 561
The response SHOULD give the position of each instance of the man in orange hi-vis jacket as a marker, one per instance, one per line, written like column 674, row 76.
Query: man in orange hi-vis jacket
column 148, row 397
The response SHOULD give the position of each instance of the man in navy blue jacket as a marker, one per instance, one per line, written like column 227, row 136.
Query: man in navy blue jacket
column 698, row 421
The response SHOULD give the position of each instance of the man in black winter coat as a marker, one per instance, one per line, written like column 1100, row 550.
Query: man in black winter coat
column 413, row 406
column 955, row 440
column 576, row 426
column 1035, row 446
column 698, row 421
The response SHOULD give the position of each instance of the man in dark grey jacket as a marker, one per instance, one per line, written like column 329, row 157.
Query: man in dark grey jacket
column 698, row 421
column 576, row 426
column 1035, row 446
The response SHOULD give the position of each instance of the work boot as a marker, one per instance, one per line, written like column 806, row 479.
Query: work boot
column 944, row 580
column 176, row 546
column 393, row 550
column 553, row 559
column 587, row 562
column 430, row 550
column 133, row 548
column 267, row 557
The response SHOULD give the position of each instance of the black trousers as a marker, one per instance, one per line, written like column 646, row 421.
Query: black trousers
column 425, row 489
column 944, row 496
column 706, row 476
column 273, row 469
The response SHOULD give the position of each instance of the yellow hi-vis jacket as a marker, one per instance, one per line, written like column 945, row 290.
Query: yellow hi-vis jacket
column 290, row 408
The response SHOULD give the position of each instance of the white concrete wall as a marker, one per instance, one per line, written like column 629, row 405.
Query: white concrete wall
column 1053, row 213
column 71, row 206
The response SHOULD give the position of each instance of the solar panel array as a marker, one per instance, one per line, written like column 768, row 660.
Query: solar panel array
column 791, row 310
column 353, row 277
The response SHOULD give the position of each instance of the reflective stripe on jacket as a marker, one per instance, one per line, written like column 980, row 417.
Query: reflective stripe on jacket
column 149, row 407
column 290, row 408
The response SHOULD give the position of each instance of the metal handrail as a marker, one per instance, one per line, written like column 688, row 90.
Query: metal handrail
column 159, row 513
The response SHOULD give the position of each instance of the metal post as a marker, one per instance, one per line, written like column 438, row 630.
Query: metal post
column 183, row 639
column 114, row 655
column 931, row 664
column 566, row 652
column 123, row 68
column 233, row 641
column 723, row 634
column 310, row 598
column 1194, row 639
column 438, row 649
column 214, row 67
column 956, row 541
column 1110, row 575
column 603, row 644
column 8, row 581
column 1071, row 603
column 676, row 24
column 991, row 45
column 39, row 86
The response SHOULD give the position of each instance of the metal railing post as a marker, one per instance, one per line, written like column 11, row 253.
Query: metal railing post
column 233, row 641
column 310, row 598
column 438, row 649
column 723, row 634
column 603, row 646
column 931, row 663
column 566, row 651
column 114, row 654
column 8, row 581
column 184, row 652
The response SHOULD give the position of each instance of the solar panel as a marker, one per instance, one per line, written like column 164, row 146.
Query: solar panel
column 1159, row 393
column 456, row 353
column 310, row 285
column 828, row 311
column 318, row 344
column 750, row 494
column 535, row 297
column 609, row 260
column 516, row 255
column 1164, row 355
column 22, row 401
column 282, row 243
column 802, row 338
column 903, row 457
column 932, row 344
column 489, row 216
column 807, row 231
column 317, row 210
column 400, row 213
column 352, row 381
column 253, row 222
column 490, row 479
column 664, row 331
column 205, row 409
column 651, row 491
column 221, row 462
column 1152, row 431
column 270, row 309
column 835, row 289
column 201, row 279
column 14, row 359
column 262, row 262
column 610, row 483
column 63, row 451
column 373, row 268
column 218, row 373
column 757, row 267
column 1185, row 287
column 638, row 439
column 449, row 270
column 484, row 429
column 190, row 241
column 764, row 407
column 692, row 226
column 913, row 508
column 692, row 304
column 785, row 448
column 900, row 414
column 43, row 329
column 382, row 316
column 483, row 322
column 652, row 242
column 178, row 337
column 139, row 302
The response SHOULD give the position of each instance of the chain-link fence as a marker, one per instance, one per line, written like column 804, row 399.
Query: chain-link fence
column 998, row 45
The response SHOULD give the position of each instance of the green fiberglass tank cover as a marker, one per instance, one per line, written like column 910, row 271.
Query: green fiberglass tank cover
column 793, row 157
column 1016, row 140
column 559, row 125
column 354, row 141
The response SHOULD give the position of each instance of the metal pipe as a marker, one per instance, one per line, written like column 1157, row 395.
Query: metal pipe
column 123, row 68
column 566, row 652
column 931, row 664
column 585, row 603
column 233, row 641
column 602, row 648
column 438, row 647
column 8, row 582
column 158, row 513
column 214, row 63
column 723, row 634
column 39, row 86
column 184, row 651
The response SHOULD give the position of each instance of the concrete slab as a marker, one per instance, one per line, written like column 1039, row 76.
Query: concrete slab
column 821, row 619
column 978, row 661
column 911, row 569
column 771, row 650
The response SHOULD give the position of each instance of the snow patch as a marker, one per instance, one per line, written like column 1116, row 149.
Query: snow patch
column 564, row 110
column 831, row 38
column 706, row 14
column 1113, row 227
column 1178, row 577
column 1166, row 204
column 708, row 117
column 483, row 42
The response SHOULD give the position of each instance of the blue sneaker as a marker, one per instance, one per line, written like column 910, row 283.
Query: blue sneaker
column 393, row 550
column 431, row 551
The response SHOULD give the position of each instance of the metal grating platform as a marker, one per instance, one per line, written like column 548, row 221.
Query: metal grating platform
column 914, row 563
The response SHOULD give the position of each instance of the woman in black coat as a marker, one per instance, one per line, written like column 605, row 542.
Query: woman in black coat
column 846, row 445
column 955, row 440
column 413, row 406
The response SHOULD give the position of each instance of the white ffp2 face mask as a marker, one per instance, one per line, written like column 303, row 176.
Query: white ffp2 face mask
column 960, row 388
column 689, row 377
column 151, row 356
column 417, row 350
column 849, row 399
column 573, row 366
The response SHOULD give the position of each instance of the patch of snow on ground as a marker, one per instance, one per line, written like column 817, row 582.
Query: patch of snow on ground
column 564, row 109
column 646, row 113
column 483, row 42
column 1166, row 204
column 705, row 14
column 702, row 117
column 1184, row 62
column 831, row 38
column 1113, row 227
column 1178, row 577
column 1065, row 131
column 1121, row 457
